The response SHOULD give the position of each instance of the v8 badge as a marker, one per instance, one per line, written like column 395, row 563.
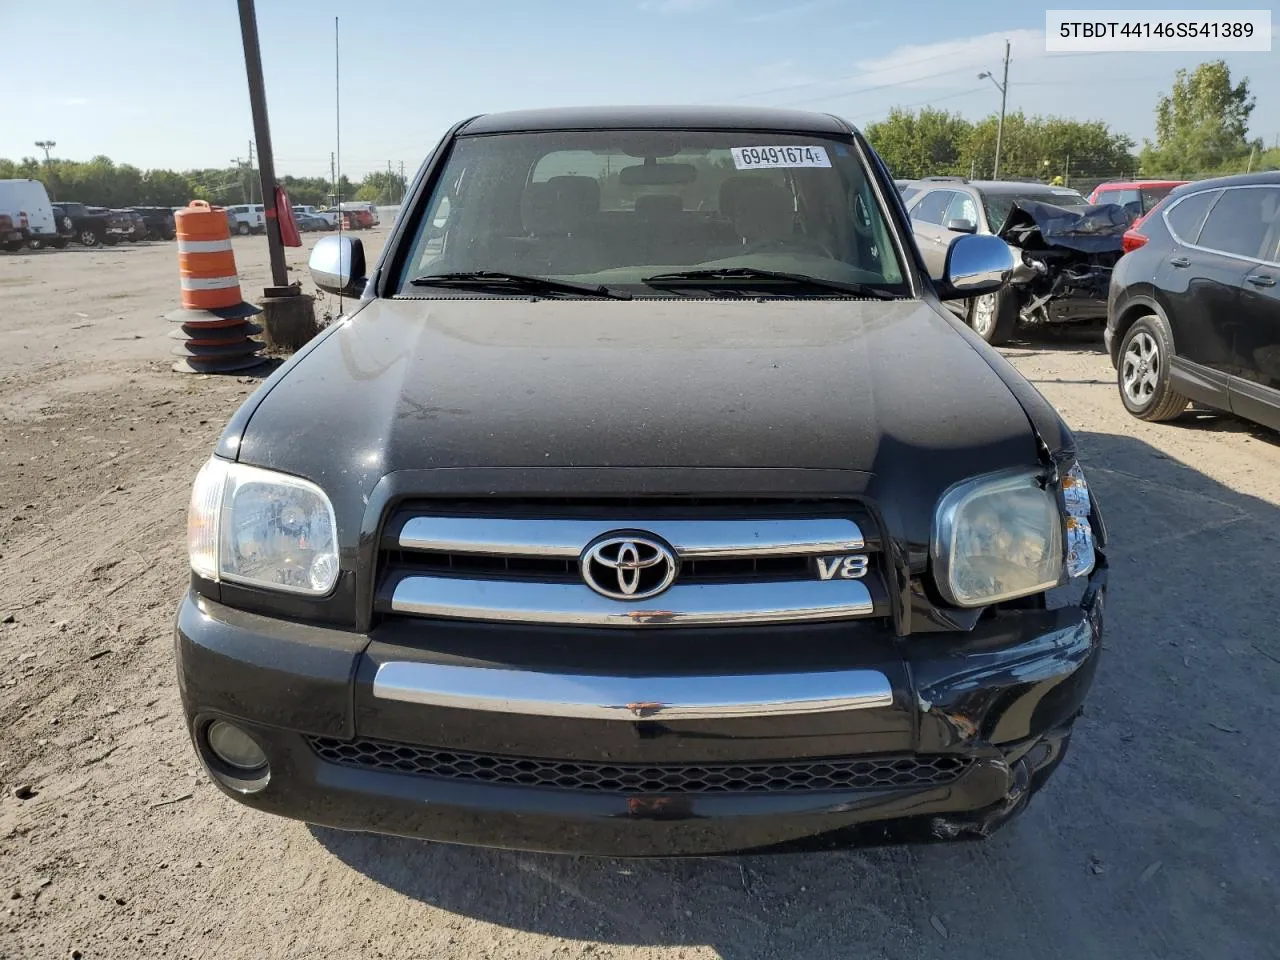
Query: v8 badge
column 849, row 567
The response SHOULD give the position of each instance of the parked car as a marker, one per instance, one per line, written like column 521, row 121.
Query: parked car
column 65, row 227
column 249, row 218
column 119, row 224
column 357, row 219
column 696, row 527
column 158, row 221
column 907, row 188
column 137, row 225
column 330, row 217
column 27, row 204
column 1194, row 309
column 363, row 208
column 12, row 236
column 1137, row 197
column 89, row 224
column 1065, row 248
column 307, row 223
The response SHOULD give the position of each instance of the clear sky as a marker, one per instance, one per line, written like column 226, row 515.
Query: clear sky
column 160, row 83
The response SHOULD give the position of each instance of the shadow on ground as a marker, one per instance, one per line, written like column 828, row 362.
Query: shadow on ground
column 1158, row 836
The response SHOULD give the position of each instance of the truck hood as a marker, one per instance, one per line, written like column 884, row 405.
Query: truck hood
column 694, row 391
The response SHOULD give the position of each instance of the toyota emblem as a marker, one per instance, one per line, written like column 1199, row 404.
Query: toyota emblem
column 628, row 566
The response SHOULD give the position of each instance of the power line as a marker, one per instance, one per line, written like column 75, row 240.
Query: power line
column 920, row 103
column 908, row 63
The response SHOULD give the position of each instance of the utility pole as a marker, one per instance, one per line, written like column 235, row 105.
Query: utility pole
column 1004, row 96
column 262, row 135
column 250, row 165
column 403, row 185
column 1066, row 174
column 333, row 175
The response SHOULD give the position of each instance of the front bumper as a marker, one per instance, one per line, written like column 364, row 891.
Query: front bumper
column 995, row 704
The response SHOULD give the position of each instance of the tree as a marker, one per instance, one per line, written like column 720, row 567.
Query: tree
column 919, row 145
column 1201, row 125
column 381, row 186
column 1074, row 149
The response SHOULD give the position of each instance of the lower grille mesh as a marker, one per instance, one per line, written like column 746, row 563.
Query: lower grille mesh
column 620, row 778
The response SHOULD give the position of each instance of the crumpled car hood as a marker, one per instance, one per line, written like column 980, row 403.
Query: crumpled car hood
column 1097, row 228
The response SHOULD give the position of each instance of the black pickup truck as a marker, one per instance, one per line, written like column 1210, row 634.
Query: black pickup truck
column 90, row 225
column 159, row 222
column 647, row 502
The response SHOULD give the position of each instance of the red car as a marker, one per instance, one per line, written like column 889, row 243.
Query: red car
column 357, row 220
column 1136, row 196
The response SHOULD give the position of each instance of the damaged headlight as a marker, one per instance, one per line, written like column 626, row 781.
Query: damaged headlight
column 996, row 538
column 1078, row 504
column 258, row 527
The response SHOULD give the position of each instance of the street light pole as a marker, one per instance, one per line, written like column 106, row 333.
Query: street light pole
column 262, row 138
column 1004, row 96
column 46, row 146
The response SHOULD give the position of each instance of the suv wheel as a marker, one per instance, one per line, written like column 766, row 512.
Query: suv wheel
column 242, row 228
column 993, row 317
column 88, row 237
column 1143, row 372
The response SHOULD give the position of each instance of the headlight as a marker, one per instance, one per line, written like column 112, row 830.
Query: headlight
column 996, row 538
column 1079, row 504
column 268, row 529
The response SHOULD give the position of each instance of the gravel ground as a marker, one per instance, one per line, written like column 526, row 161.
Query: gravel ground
column 1157, row 838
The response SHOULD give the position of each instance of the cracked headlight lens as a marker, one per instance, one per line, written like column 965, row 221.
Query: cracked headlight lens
column 1079, row 504
column 996, row 538
column 254, row 526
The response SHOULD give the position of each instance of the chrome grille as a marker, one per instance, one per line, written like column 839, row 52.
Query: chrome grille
column 790, row 776
column 746, row 565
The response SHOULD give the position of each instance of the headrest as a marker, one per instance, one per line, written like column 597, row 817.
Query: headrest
column 762, row 212
column 580, row 193
column 560, row 205
column 654, row 205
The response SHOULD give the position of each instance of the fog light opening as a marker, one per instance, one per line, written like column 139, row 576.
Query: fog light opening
column 232, row 746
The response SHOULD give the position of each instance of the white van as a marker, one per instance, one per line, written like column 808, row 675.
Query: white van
column 28, row 200
column 250, row 218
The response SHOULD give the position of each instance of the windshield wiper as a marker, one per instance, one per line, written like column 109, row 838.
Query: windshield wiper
column 515, row 283
column 731, row 278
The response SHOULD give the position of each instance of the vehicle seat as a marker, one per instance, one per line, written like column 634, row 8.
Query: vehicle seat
column 557, row 213
column 762, row 213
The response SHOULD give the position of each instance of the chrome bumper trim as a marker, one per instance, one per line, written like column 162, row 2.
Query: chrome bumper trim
column 691, row 539
column 575, row 604
column 631, row 698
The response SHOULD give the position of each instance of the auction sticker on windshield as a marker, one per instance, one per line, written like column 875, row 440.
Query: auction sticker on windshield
column 751, row 158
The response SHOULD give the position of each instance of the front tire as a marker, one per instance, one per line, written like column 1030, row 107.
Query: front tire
column 993, row 317
column 242, row 229
column 88, row 237
column 1143, row 372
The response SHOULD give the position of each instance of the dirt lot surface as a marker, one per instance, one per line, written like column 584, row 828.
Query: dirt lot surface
column 1159, row 837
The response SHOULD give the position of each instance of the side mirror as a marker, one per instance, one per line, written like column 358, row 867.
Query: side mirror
column 337, row 265
column 975, row 265
column 961, row 226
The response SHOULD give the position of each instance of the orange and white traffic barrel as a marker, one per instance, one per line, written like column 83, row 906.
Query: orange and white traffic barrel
column 215, row 332
column 205, row 258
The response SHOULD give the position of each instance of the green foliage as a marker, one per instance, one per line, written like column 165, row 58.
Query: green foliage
column 1202, row 125
column 937, row 143
column 381, row 187
column 928, row 143
column 101, row 182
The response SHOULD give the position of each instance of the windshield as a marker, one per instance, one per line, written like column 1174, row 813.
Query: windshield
column 998, row 205
column 612, row 207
